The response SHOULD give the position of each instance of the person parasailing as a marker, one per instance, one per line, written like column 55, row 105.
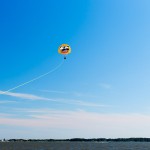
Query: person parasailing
column 64, row 49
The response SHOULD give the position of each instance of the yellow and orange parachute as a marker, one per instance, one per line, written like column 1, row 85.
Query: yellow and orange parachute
column 64, row 49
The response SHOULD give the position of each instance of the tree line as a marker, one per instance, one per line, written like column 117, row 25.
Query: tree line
column 82, row 140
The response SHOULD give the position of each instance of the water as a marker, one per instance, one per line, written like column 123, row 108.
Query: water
column 74, row 145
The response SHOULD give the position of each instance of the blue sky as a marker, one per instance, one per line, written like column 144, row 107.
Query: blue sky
column 103, row 82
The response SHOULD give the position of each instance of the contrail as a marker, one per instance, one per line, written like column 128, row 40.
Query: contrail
column 41, row 76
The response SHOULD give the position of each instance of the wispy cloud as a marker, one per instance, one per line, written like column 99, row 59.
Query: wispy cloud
column 3, row 115
column 53, row 91
column 105, row 85
column 58, row 100
column 73, row 93
column 7, row 101
column 104, row 125
column 79, row 94
column 23, row 95
column 83, row 103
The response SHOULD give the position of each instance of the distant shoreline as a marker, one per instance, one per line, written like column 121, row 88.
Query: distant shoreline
column 80, row 140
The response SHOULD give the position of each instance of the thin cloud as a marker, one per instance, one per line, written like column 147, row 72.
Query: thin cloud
column 105, row 85
column 74, row 93
column 79, row 94
column 3, row 115
column 23, row 95
column 97, row 124
column 82, row 103
column 7, row 101
column 53, row 91
column 59, row 100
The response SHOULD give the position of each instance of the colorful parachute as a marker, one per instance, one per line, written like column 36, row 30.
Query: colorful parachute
column 64, row 49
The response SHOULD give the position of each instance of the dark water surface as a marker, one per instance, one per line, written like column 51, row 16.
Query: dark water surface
column 74, row 145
